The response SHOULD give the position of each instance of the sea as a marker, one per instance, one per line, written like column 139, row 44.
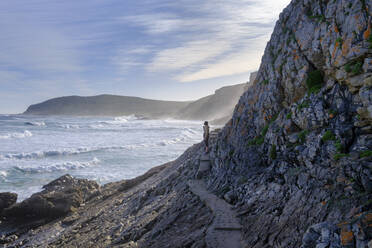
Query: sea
column 35, row 150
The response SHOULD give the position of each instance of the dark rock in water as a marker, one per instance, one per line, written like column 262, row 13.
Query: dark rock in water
column 61, row 196
column 7, row 199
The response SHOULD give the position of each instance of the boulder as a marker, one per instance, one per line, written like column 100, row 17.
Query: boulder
column 60, row 197
column 7, row 199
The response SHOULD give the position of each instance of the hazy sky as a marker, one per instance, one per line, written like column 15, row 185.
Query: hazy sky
column 160, row 49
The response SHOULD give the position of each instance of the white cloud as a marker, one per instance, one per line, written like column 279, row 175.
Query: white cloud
column 235, row 63
column 189, row 54
column 154, row 23
column 218, row 38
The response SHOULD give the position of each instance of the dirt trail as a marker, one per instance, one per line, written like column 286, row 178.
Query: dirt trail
column 225, row 230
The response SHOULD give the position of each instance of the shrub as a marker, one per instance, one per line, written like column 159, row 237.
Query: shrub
column 365, row 154
column 328, row 135
column 314, row 81
column 304, row 104
column 355, row 68
column 256, row 141
column 265, row 81
column 260, row 140
column 289, row 115
column 339, row 146
column 231, row 153
column 273, row 152
column 274, row 118
column 264, row 130
column 302, row 137
column 338, row 156
column 339, row 41
column 370, row 41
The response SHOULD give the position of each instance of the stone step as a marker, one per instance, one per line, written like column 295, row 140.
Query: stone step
column 205, row 157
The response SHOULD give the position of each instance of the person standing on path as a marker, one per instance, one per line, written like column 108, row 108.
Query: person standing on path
column 206, row 135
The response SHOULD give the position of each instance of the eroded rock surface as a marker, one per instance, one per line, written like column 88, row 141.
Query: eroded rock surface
column 7, row 199
column 59, row 197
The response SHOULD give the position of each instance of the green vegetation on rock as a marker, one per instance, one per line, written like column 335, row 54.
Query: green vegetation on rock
column 328, row 135
column 304, row 104
column 338, row 156
column 273, row 152
column 339, row 146
column 355, row 67
column 264, row 130
column 302, row 137
column 365, row 154
column 289, row 115
column 314, row 81
column 370, row 41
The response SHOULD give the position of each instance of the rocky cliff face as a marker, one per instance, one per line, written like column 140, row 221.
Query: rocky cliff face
column 298, row 148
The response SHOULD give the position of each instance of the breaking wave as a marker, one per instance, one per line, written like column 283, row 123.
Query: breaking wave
column 3, row 174
column 35, row 123
column 43, row 154
column 25, row 134
column 65, row 166
column 69, row 126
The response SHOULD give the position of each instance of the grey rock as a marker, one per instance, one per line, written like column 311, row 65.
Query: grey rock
column 7, row 199
column 61, row 196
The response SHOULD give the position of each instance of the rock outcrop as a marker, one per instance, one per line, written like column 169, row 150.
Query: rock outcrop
column 60, row 197
column 298, row 149
column 7, row 199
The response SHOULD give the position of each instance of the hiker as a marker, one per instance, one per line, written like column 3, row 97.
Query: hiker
column 206, row 135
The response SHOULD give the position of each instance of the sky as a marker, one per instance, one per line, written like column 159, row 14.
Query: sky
column 158, row 49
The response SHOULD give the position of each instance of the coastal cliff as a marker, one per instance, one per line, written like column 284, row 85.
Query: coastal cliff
column 295, row 160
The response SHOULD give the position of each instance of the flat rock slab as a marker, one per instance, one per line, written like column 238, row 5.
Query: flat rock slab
column 225, row 229
column 204, row 157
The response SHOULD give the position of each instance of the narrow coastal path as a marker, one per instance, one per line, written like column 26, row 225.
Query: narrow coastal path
column 225, row 230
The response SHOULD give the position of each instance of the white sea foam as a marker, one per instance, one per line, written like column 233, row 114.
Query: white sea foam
column 65, row 166
column 35, row 123
column 69, row 126
column 3, row 174
column 66, row 152
column 97, row 126
column 43, row 154
column 121, row 120
column 170, row 142
column 25, row 134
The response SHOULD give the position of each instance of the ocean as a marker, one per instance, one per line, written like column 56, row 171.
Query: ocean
column 35, row 150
